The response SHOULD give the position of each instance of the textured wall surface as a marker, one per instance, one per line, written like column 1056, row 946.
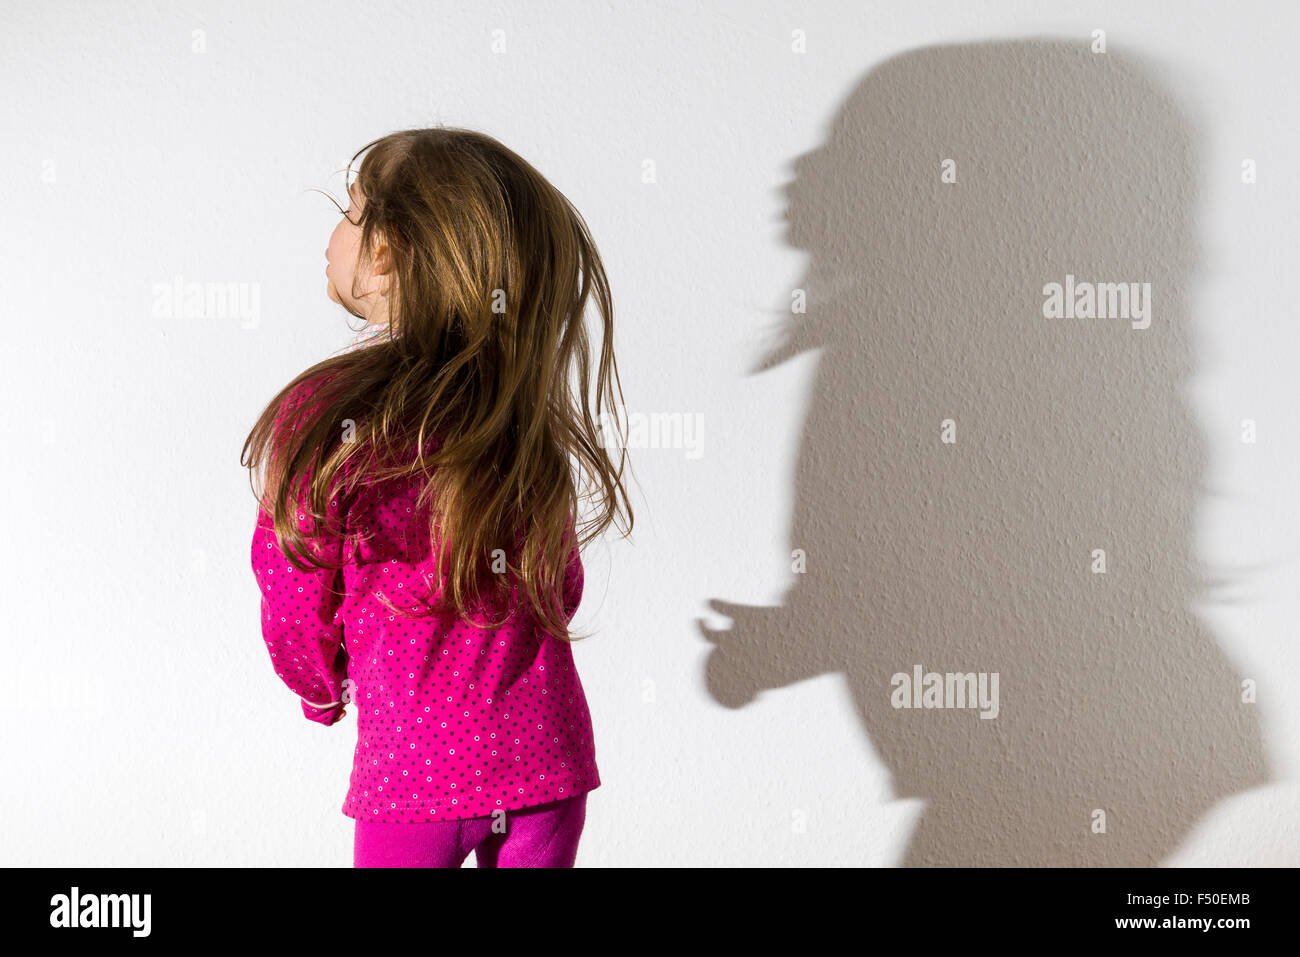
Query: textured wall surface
column 828, row 228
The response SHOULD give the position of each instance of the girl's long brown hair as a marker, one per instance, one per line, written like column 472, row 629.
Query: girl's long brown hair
column 480, row 387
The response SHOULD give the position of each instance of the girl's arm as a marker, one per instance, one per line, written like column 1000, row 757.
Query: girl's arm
column 300, row 610
column 300, row 625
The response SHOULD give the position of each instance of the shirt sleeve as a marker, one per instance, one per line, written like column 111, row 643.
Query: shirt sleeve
column 301, row 626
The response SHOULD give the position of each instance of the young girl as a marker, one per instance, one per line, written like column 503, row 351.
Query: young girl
column 416, row 544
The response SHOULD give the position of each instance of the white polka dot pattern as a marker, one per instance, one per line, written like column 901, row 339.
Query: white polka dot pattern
column 452, row 722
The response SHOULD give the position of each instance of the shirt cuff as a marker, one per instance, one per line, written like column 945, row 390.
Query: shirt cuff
column 325, row 715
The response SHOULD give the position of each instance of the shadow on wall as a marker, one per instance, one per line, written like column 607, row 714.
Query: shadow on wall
column 1072, row 434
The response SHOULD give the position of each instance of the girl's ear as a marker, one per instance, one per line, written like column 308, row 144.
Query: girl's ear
column 382, row 266
column 383, row 258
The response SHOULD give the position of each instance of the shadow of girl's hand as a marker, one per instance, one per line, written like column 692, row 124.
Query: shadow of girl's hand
column 736, row 661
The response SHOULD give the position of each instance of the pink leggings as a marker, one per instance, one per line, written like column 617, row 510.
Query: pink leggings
column 545, row 835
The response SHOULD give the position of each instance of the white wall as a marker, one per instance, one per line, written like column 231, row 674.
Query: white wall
column 142, row 723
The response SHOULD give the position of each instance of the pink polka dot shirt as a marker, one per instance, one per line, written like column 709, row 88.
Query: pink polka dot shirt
column 452, row 722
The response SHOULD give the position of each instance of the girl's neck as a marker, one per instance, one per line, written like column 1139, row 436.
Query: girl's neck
column 370, row 333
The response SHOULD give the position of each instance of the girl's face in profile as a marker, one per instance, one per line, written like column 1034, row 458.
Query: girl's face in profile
column 341, row 258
